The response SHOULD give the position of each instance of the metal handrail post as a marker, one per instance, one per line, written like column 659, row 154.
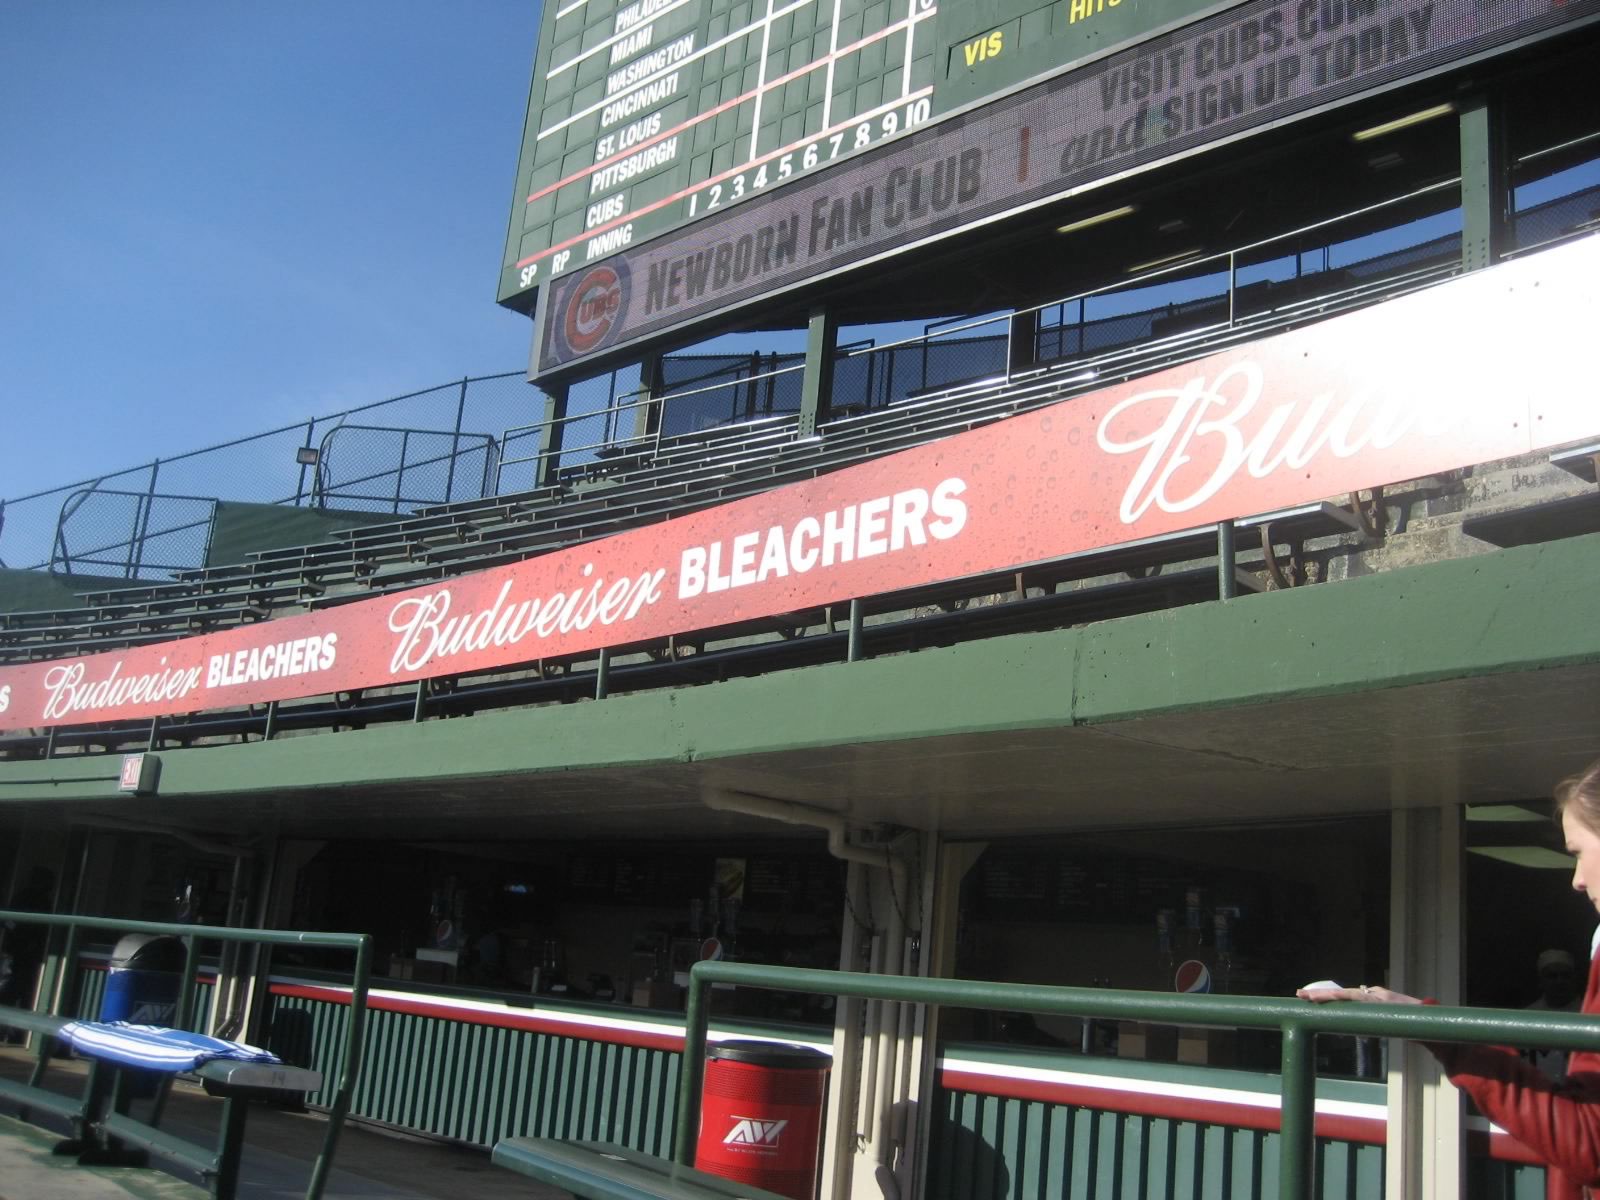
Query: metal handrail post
column 1297, row 1115
column 692, row 1068
column 55, row 992
column 181, row 1018
column 1233, row 283
column 354, row 1046
column 191, row 966
column 1227, row 581
column 300, row 484
column 455, row 444
column 142, row 523
column 400, row 474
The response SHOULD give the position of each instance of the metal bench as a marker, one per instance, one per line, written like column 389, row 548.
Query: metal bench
column 1570, row 516
column 599, row 1171
column 1582, row 461
column 103, row 1130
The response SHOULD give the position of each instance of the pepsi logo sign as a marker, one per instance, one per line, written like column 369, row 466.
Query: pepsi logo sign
column 595, row 306
column 1192, row 976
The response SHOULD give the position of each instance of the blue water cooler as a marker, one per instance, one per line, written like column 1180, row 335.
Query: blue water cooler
column 142, row 980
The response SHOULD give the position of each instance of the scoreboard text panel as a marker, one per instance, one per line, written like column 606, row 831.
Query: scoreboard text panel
column 648, row 114
column 806, row 166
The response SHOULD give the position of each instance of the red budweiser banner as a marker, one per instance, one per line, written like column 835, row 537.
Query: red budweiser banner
column 1489, row 366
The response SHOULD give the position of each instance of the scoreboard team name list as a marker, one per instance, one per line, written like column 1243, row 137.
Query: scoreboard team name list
column 651, row 72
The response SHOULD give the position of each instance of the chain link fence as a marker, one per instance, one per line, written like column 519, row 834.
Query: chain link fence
column 483, row 436
column 427, row 447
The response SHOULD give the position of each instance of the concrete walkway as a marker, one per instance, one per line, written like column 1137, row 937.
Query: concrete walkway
column 279, row 1152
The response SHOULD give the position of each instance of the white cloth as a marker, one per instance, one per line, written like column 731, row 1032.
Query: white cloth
column 154, row 1047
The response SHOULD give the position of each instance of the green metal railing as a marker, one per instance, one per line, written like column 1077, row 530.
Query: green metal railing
column 1297, row 1021
column 53, row 996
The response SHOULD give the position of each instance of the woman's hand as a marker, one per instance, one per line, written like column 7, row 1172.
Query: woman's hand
column 1320, row 994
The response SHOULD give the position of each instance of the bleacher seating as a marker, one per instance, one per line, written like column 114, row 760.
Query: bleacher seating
column 683, row 474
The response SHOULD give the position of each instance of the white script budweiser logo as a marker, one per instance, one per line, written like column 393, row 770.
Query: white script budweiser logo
column 428, row 632
column 1197, row 437
column 68, row 692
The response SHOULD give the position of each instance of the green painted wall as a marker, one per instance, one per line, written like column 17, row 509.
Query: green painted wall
column 237, row 528
column 32, row 591
column 1527, row 609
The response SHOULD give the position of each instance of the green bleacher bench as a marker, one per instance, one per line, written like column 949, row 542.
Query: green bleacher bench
column 1582, row 461
column 104, row 1132
column 1547, row 521
column 599, row 1171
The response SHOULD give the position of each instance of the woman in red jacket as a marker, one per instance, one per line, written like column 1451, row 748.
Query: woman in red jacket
column 1558, row 1120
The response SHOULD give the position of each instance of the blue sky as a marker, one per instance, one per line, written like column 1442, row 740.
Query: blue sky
column 220, row 216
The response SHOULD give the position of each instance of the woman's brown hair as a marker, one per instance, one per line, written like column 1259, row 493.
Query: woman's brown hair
column 1580, row 794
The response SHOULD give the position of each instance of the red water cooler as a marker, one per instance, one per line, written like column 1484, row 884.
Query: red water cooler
column 761, row 1115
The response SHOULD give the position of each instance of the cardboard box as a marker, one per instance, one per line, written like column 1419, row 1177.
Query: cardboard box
column 1156, row 1043
column 1213, row 1047
column 657, row 994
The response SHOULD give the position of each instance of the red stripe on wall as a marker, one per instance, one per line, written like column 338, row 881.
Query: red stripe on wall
column 534, row 1023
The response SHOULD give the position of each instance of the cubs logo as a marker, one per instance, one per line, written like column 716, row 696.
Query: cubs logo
column 595, row 307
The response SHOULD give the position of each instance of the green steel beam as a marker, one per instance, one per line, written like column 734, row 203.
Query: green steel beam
column 1528, row 608
column 550, row 436
column 1485, row 184
column 816, row 386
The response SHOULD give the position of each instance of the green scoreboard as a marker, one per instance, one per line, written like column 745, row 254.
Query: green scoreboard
column 683, row 159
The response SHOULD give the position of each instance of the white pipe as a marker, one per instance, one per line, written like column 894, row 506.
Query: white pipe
column 884, row 1024
column 867, row 1092
column 751, row 805
column 887, row 1056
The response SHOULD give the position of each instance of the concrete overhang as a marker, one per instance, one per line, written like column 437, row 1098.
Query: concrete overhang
column 1474, row 680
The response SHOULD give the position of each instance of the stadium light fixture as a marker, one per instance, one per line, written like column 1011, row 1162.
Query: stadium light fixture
column 308, row 456
column 1416, row 118
column 1166, row 260
column 1098, row 219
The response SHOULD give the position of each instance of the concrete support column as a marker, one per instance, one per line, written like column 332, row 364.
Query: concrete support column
column 1426, row 1127
column 1485, row 185
column 871, row 1139
column 945, row 867
column 839, row 1133
column 816, row 388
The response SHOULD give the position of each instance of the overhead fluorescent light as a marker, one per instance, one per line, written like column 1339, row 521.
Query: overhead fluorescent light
column 1416, row 118
column 1502, row 812
column 1098, row 219
column 1537, row 857
column 1165, row 261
